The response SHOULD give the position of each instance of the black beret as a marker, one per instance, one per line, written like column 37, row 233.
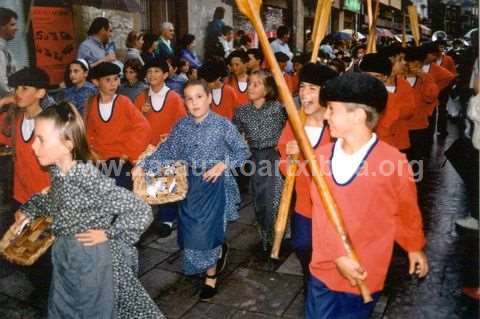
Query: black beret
column 415, row 54
column 156, row 63
column 430, row 47
column 392, row 50
column 354, row 87
column 317, row 73
column 104, row 69
column 212, row 70
column 29, row 76
column 375, row 62
column 281, row 57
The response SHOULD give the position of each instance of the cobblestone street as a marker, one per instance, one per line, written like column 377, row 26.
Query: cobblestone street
column 253, row 287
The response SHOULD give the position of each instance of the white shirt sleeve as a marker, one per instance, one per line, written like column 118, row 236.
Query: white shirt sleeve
column 4, row 89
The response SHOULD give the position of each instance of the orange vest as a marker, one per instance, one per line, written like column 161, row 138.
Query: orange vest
column 228, row 102
column 426, row 99
column 242, row 96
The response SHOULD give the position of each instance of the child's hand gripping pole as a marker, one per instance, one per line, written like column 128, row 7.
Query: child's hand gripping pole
column 251, row 9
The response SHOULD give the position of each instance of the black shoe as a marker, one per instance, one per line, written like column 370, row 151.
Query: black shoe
column 207, row 292
column 222, row 262
column 163, row 230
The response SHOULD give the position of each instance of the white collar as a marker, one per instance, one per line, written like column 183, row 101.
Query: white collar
column 158, row 99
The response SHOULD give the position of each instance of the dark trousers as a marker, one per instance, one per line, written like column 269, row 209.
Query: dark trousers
column 323, row 303
column 165, row 213
column 302, row 243
column 442, row 111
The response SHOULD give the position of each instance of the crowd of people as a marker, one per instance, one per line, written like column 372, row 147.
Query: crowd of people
column 220, row 114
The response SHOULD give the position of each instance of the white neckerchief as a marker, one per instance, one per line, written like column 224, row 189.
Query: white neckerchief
column 439, row 61
column 314, row 133
column 217, row 95
column 391, row 88
column 426, row 68
column 412, row 80
column 106, row 109
column 27, row 128
column 344, row 165
column 158, row 99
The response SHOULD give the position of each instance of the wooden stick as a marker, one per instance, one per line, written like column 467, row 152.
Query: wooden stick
column 414, row 26
column 372, row 33
column 404, row 30
column 251, row 9
column 322, row 26
column 285, row 201
column 318, row 10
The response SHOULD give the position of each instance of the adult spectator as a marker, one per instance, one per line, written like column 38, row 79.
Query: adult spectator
column 165, row 49
column 94, row 49
column 280, row 44
column 187, row 52
column 8, row 28
column 226, row 40
column 149, row 46
column 215, row 27
column 134, row 45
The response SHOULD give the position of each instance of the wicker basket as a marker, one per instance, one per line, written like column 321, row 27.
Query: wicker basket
column 26, row 247
column 173, row 185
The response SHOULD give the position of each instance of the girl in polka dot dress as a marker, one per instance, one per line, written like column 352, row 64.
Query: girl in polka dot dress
column 96, row 225
column 262, row 122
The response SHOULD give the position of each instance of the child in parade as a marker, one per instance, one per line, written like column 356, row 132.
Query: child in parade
column 426, row 99
column 210, row 146
column 256, row 58
column 116, row 130
column 224, row 98
column 163, row 108
column 392, row 126
column 132, row 84
column 30, row 88
column 262, row 122
column 96, row 225
column 282, row 60
column 378, row 207
column 237, row 61
column 312, row 77
column 178, row 69
column 80, row 89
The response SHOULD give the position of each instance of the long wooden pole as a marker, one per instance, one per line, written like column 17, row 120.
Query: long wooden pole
column 251, row 9
column 412, row 13
column 321, row 22
column 404, row 30
column 372, row 32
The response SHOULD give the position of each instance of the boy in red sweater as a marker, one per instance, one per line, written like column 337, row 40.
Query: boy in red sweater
column 379, row 206
column 237, row 61
column 161, row 106
column 116, row 131
column 312, row 77
column 30, row 87
column 224, row 98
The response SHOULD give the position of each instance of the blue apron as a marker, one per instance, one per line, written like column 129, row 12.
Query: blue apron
column 201, row 214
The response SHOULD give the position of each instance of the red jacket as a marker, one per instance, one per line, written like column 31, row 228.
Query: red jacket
column 388, row 120
column 379, row 207
column 168, row 114
column 125, row 134
column 443, row 78
column 448, row 63
column 29, row 177
column 426, row 99
column 303, row 204
column 228, row 102
column 405, row 100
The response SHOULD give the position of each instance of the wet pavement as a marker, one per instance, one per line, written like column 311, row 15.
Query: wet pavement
column 255, row 287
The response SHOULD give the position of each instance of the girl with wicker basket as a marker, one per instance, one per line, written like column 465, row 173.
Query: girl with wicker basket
column 96, row 225
column 210, row 146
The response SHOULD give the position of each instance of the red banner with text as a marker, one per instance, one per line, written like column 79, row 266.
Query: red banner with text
column 54, row 40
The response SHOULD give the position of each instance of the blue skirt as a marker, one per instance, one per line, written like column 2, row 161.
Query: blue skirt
column 201, row 223
column 82, row 281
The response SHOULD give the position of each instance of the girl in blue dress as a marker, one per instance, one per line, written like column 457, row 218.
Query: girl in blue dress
column 211, row 147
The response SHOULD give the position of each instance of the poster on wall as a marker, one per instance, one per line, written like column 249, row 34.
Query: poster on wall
column 54, row 40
